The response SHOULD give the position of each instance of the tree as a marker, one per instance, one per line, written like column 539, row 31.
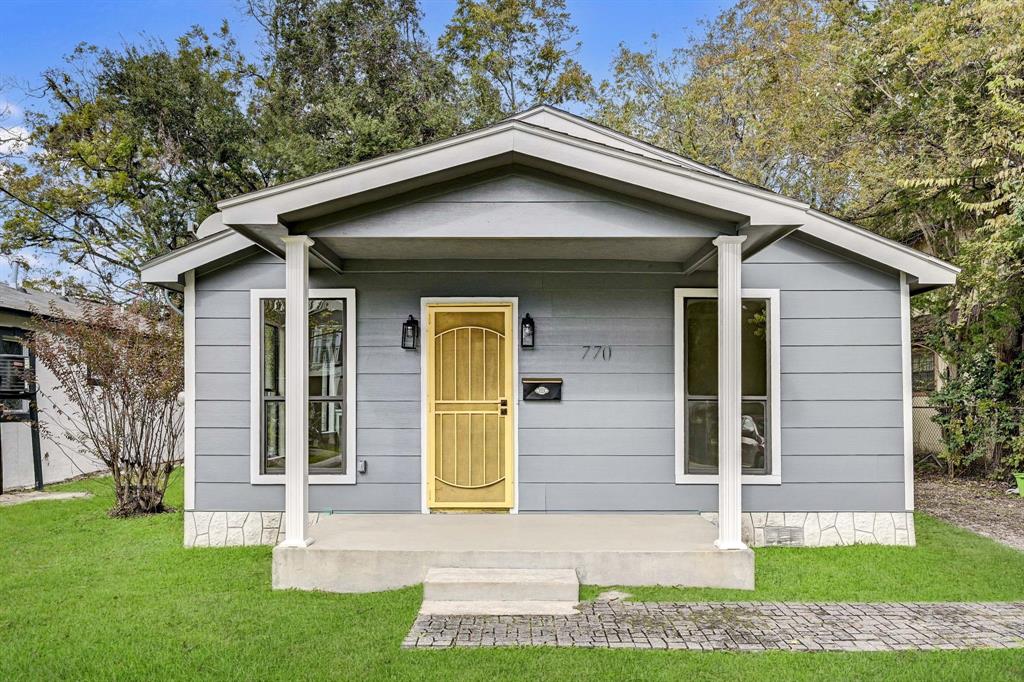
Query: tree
column 513, row 54
column 119, row 372
column 140, row 144
column 348, row 80
column 755, row 95
column 981, row 404
column 903, row 117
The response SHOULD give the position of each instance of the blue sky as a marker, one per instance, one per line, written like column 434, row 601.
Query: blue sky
column 37, row 34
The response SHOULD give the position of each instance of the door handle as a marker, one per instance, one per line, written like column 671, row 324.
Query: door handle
column 503, row 402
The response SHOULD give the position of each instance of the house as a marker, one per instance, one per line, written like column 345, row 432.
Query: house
column 33, row 449
column 639, row 365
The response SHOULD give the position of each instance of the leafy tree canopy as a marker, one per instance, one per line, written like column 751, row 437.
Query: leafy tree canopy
column 905, row 117
column 513, row 54
column 138, row 144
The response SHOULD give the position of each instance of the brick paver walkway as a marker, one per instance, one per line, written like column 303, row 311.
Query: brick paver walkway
column 756, row 626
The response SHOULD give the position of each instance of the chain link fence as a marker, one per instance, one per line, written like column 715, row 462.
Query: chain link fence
column 927, row 434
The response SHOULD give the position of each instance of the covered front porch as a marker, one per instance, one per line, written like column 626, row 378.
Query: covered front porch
column 371, row 552
column 726, row 256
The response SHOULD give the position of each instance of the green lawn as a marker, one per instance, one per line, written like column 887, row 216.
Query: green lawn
column 83, row 596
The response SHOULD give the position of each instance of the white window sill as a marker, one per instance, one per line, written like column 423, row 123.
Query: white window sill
column 314, row 479
column 712, row 479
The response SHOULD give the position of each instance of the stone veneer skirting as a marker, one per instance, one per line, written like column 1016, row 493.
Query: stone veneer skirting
column 760, row 529
column 825, row 529
column 235, row 529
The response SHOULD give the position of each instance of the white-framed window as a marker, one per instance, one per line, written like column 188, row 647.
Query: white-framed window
column 696, row 386
column 331, row 380
column 14, row 363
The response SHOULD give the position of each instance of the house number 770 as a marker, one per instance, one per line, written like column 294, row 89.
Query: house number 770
column 597, row 353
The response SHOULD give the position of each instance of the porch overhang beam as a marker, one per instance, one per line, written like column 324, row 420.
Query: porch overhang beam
column 757, row 238
column 699, row 259
column 267, row 237
column 271, row 237
column 760, row 237
column 327, row 257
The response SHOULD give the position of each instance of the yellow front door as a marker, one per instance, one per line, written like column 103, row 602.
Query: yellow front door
column 469, row 406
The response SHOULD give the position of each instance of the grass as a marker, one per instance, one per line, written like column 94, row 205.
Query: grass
column 83, row 596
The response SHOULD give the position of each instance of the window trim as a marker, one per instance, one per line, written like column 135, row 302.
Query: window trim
column 256, row 476
column 774, row 387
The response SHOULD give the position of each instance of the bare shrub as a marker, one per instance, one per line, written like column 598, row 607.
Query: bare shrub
column 120, row 370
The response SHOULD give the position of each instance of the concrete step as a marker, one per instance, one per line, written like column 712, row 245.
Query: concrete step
column 498, row 608
column 501, row 585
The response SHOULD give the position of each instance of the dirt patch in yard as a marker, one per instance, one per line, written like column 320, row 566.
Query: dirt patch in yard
column 980, row 506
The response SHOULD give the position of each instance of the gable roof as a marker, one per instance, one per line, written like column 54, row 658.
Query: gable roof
column 550, row 140
column 26, row 301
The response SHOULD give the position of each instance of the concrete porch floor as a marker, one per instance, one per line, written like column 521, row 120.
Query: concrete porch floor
column 371, row 552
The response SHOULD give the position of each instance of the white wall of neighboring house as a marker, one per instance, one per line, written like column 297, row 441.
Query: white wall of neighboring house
column 61, row 459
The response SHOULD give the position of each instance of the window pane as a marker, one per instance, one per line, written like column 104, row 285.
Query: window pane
column 326, row 347
column 273, row 347
column 702, row 346
column 326, row 436
column 273, row 436
column 754, row 437
column 702, row 437
column 755, row 347
column 10, row 346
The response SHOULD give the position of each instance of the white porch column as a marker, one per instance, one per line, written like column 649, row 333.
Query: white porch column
column 296, row 391
column 730, row 408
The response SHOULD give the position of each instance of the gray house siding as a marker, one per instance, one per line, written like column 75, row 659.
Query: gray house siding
column 608, row 446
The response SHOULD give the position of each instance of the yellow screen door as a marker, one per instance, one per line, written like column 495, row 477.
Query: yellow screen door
column 469, row 406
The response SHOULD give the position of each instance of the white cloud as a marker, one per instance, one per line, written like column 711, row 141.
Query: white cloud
column 9, row 111
column 13, row 140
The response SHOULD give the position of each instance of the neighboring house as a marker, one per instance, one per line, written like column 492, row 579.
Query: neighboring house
column 544, row 316
column 32, row 457
column 928, row 369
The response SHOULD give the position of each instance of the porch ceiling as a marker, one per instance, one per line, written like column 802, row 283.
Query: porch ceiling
column 678, row 249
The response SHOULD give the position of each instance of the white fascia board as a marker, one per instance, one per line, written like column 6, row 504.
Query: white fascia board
column 562, row 122
column 323, row 181
column 168, row 270
column 555, row 119
column 927, row 270
column 760, row 206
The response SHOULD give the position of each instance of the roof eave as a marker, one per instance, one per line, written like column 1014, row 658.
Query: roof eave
column 168, row 270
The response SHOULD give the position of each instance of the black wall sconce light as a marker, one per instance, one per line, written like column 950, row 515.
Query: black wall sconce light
column 527, row 332
column 410, row 333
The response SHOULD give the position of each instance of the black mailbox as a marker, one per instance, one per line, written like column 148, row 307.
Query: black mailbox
column 542, row 389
